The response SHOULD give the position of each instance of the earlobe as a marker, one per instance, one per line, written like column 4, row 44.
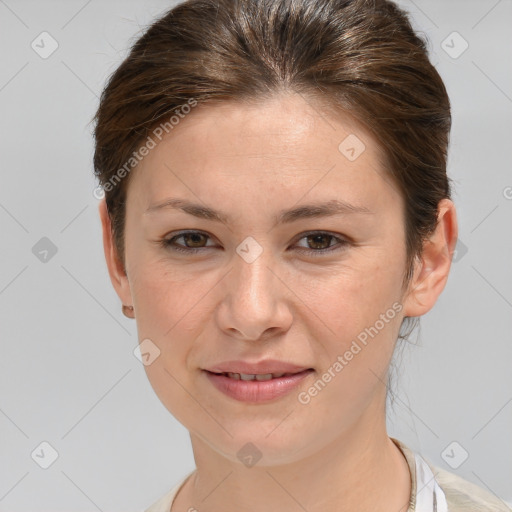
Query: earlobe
column 431, row 274
column 115, row 267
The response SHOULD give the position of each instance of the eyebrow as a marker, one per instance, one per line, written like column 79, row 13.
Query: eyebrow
column 324, row 209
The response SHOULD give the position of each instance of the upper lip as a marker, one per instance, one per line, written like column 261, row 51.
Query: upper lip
column 260, row 368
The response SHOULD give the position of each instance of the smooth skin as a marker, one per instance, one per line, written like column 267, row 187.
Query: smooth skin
column 300, row 301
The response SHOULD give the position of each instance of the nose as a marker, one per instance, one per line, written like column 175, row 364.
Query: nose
column 256, row 301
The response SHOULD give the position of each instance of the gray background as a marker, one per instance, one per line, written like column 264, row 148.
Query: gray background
column 68, row 375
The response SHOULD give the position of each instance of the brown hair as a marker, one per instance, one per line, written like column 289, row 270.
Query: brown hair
column 361, row 57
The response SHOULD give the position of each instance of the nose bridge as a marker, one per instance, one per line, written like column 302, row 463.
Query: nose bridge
column 253, row 303
column 253, row 278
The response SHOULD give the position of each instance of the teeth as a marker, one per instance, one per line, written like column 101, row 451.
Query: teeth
column 266, row 376
column 259, row 377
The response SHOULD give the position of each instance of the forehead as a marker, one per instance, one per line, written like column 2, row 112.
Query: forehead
column 285, row 144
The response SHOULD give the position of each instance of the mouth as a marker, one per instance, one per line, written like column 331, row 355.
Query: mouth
column 257, row 376
column 257, row 387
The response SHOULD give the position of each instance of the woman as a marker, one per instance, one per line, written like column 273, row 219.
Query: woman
column 276, row 210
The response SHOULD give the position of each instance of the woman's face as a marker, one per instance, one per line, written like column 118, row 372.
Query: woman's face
column 301, row 288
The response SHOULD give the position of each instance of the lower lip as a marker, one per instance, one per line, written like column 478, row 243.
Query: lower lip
column 257, row 390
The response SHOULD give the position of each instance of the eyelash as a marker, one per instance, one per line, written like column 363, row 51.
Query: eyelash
column 167, row 243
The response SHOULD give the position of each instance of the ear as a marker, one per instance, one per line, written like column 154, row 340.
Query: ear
column 431, row 273
column 116, row 269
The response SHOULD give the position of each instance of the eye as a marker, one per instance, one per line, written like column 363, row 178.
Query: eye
column 193, row 241
column 320, row 242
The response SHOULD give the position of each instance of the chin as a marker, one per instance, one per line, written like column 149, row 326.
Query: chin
column 252, row 445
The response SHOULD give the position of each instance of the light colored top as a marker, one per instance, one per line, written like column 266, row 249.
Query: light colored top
column 432, row 490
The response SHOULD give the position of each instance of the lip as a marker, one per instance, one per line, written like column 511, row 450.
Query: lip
column 260, row 367
column 255, row 391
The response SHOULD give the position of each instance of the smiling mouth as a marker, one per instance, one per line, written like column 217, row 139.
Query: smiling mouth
column 257, row 376
column 257, row 387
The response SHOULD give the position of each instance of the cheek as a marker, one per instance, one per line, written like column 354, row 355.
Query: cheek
column 168, row 297
column 170, row 312
column 352, row 298
column 363, row 318
column 361, row 309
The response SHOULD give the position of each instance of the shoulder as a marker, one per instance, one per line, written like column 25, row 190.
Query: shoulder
column 464, row 496
column 165, row 502
column 461, row 495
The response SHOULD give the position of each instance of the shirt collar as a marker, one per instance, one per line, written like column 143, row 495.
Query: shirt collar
column 426, row 494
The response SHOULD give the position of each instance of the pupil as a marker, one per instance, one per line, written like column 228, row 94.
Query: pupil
column 194, row 237
column 315, row 239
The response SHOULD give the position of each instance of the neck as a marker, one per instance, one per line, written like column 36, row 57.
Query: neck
column 360, row 471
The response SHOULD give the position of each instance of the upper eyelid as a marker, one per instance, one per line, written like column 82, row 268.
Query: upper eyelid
column 191, row 232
